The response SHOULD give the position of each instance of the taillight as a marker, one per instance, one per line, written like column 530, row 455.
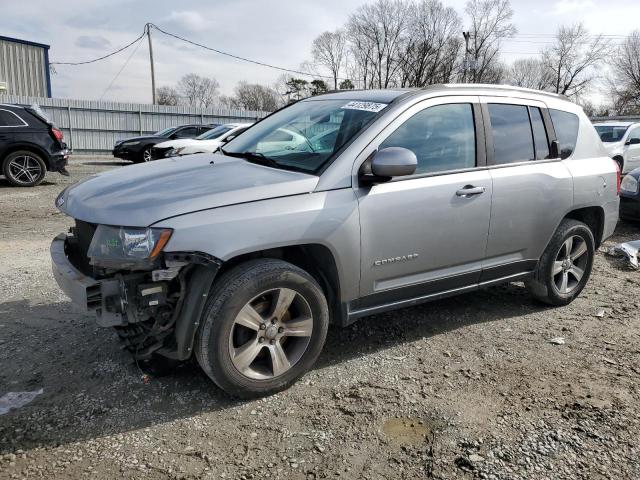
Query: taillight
column 58, row 134
column 618, row 176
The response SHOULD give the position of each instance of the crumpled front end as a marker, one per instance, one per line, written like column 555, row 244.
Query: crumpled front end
column 144, row 301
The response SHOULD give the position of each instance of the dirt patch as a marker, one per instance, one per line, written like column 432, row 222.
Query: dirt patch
column 496, row 399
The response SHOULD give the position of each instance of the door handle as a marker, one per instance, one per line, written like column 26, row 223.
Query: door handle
column 470, row 190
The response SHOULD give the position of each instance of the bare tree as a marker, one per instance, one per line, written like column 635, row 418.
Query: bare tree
column 529, row 73
column 574, row 58
column 431, row 45
column 167, row 96
column 490, row 23
column 198, row 91
column 252, row 96
column 329, row 50
column 625, row 75
column 376, row 33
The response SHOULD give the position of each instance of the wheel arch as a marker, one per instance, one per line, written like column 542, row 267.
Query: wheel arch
column 593, row 217
column 314, row 258
column 16, row 147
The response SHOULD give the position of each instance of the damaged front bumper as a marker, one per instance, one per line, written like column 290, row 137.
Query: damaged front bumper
column 153, row 311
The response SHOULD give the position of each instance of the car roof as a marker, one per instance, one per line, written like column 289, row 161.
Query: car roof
column 8, row 105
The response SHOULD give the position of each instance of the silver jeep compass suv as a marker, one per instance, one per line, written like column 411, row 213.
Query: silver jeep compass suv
column 335, row 208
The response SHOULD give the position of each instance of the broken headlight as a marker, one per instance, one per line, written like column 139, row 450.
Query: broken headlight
column 127, row 247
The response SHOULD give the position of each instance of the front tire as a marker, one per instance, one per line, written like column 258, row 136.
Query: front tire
column 263, row 327
column 24, row 169
column 565, row 266
column 144, row 156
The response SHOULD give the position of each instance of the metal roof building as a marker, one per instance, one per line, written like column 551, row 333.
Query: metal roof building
column 24, row 68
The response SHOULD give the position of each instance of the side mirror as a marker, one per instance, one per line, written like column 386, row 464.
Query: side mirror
column 633, row 141
column 388, row 163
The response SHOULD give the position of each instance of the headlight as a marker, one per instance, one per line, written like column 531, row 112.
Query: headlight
column 174, row 152
column 629, row 184
column 129, row 144
column 127, row 247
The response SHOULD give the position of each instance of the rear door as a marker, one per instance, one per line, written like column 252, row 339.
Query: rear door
column 531, row 191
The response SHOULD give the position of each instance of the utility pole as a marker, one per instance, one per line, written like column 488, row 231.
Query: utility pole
column 153, row 73
column 467, row 36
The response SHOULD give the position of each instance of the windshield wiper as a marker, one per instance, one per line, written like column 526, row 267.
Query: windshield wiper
column 253, row 157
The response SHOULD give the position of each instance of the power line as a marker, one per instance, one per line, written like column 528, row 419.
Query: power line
column 244, row 59
column 100, row 58
column 122, row 68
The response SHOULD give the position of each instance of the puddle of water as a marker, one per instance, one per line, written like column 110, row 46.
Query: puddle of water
column 406, row 431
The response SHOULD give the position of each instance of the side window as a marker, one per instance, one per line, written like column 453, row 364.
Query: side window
column 512, row 139
column 10, row 119
column 188, row 132
column 443, row 138
column 566, row 126
column 539, row 134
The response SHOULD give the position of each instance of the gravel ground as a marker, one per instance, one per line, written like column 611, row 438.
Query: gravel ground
column 468, row 387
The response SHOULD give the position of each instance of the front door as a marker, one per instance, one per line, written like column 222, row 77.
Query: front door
column 427, row 233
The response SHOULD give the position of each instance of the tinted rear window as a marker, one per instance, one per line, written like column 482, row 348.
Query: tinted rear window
column 9, row 119
column 566, row 127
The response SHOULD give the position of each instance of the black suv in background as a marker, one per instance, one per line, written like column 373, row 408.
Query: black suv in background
column 29, row 146
column 138, row 149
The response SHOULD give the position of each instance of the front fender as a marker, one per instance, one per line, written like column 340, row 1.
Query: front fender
column 326, row 218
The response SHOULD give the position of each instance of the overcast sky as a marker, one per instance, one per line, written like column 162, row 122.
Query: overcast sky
column 275, row 31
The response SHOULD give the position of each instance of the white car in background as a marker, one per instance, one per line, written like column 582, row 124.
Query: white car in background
column 209, row 141
column 622, row 141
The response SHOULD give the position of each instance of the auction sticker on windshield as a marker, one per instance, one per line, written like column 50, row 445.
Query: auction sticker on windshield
column 366, row 106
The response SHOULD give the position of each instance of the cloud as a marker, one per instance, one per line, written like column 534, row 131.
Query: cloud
column 187, row 20
column 94, row 42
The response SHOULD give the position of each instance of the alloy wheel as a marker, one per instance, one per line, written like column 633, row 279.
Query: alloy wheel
column 270, row 334
column 146, row 155
column 25, row 169
column 570, row 264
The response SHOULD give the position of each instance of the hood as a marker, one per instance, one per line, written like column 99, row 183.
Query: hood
column 141, row 195
column 183, row 142
column 203, row 146
column 139, row 139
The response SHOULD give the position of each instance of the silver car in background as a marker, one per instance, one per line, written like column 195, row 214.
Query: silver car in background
column 391, row 198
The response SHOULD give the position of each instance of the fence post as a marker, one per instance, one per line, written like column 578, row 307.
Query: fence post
column 140, row 119
column 71, row 142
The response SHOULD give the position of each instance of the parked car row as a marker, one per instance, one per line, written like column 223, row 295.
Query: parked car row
column 29, row 146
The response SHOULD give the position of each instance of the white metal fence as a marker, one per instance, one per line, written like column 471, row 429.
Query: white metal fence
column 94, row 126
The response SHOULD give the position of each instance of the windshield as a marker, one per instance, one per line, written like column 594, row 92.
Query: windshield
column 305, row 135
column 164, row 133
column 611, row 133
column 214, row 133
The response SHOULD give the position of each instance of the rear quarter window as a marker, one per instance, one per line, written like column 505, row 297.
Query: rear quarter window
column 10, row 119
column 566, row 126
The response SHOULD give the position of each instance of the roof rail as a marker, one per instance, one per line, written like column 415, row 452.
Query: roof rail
column 495, row 86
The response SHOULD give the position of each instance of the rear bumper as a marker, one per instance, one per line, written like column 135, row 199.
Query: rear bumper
column 59, row 160
column 82, row 290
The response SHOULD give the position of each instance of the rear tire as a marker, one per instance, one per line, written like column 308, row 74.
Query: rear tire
column 565, row 266
column 263, row 327
column 24, row 169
